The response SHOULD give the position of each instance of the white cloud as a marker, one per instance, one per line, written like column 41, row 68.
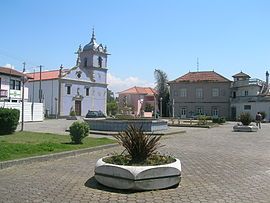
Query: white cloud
column 9, row 66
column 117, row 84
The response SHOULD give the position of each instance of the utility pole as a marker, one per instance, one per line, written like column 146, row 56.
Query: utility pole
column 198, row 65
column 40, row 90
column 23, row 82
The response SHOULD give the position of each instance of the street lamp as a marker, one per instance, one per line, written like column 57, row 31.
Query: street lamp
column 141, row 110
column 24, row 79
column 161, row 106
column 155, row 107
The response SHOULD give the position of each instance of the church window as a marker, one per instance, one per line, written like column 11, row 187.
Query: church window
column 68, row 89
column 85, row 62
column 87, row 91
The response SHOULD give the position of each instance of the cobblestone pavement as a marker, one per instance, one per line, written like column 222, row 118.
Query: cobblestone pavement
column 218, row 165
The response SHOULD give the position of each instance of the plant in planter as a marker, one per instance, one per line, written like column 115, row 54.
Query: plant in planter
column 246, row 126
column 72, row 114
column 142, row 168
column 245, row 118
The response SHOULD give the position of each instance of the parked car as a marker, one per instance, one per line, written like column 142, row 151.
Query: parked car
column 95, row 114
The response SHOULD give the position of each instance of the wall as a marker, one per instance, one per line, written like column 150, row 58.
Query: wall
column 255, row 107
column 207, row 102
column 96, row 101
column 49, row 90
column 36, row 108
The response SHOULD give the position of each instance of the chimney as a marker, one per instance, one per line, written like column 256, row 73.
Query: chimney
column 267, row 78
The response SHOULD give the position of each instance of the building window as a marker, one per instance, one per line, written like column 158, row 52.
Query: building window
column 68, row 89
column 234, row 94
column 183, row 92
column 247, row 107
column 87, row 91
column 175, row 93
column 12, row 84
column 246, row 93
column 215, row 112
column 215, row 92
column 183, row 112
column 199, row 110
column 18, row 85
column 199, row 93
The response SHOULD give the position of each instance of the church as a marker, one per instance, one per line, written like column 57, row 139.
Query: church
column 79, row 89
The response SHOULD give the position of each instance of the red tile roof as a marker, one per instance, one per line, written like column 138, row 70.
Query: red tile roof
column 10, row 71
column 139, row 90
column 201, row 76
column 45, row 75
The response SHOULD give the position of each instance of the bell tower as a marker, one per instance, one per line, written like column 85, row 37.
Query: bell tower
column 94, row 55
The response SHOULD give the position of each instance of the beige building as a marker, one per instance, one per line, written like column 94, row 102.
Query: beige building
column 202, row 92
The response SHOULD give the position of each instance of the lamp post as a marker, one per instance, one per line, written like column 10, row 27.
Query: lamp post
column 23, row 82
column 161, row 106
column 141, row 110
column 155, row 107
column 173, row 108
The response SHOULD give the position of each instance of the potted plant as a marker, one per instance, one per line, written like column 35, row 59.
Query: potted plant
column 245, row 125
column 72, row 114
column 139, row 167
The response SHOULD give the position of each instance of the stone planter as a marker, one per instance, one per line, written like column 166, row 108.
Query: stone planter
column 119, row 125
column 138, row 177
column 245, row 128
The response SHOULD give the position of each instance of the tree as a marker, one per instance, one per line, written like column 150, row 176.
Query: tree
column 111, row 103
column 112, row 108
column 162, row 90
column 110, row 96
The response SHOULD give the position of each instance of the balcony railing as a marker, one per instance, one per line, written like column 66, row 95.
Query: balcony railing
column 3, row 93
column 252, row 81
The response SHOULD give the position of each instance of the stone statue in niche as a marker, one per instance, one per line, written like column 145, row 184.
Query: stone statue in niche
column 100, row 61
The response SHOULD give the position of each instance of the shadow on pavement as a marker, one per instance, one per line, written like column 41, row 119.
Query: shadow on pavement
column 92, row 183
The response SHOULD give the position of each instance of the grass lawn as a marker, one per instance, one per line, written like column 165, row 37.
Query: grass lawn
column 27, row 144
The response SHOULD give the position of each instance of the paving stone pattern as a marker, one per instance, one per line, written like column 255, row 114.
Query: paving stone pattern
column 218, row 165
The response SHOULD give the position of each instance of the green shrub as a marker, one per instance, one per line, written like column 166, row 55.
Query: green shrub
column 148, row 107
column 139, row 145
column 209, row 118
column 245, row 118
column 124, row 117
column 112, row 108
column 78, row 131
column 202, row 120
column 219, row 120
column 9, row 120
column 72, row 113
column 263, row 114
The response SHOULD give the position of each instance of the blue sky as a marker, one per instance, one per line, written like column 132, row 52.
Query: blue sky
column 227, row 35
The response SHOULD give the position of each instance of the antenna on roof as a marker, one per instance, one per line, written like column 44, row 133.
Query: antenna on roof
column 197, row 64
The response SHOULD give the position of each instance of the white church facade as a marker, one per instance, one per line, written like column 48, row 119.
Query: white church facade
column 81, row 88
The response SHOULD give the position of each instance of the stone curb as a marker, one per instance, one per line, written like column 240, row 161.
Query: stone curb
column 192, row 126
column 148, row 133
column 49, row 157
